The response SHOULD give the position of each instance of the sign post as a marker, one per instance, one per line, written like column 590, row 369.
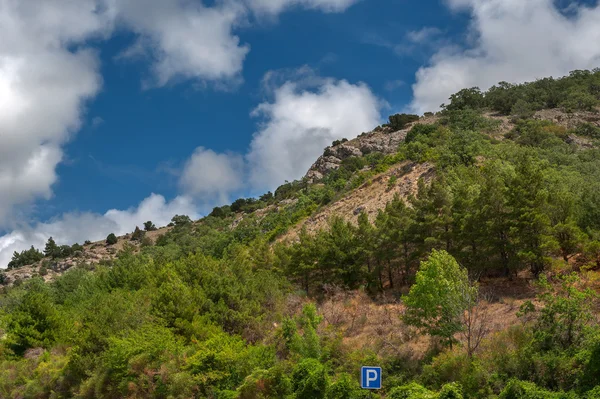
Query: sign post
column 370, row 377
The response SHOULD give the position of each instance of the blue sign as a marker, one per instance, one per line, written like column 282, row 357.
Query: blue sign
column 370, row 377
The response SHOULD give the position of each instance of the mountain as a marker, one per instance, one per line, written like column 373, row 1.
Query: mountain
column 459, row 250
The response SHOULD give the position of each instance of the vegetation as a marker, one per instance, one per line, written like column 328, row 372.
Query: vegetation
column 218, row 308
column 26, row 257
column 111, row 239
column 400, row 121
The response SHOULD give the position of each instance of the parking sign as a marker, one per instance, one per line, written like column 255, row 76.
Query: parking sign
column 370, row 377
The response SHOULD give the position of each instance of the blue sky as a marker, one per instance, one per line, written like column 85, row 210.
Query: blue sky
column 120, row 112
column 144, row 133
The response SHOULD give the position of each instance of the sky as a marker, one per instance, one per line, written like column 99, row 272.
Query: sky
column 115, row 112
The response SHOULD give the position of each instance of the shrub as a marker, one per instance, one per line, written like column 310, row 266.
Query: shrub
column 137, row 234
column 345, row 387
column 516, row 389
column 522, row 110
column 420, row 130
column 310, row 380
column 338, row 142
column 111, row 239
column 411, row 391
column 399, row 121
column 588, row 130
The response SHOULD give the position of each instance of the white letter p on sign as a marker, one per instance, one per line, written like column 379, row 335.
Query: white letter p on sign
column 371, row 377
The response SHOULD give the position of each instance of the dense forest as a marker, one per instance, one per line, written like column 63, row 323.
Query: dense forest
column 222, row 308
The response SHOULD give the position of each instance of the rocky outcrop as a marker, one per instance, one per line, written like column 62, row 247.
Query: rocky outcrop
column 383, row 141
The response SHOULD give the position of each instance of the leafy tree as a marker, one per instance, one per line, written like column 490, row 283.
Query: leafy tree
column 471, row 98
column 562, row 321
column 149, row 226
column 522, row 110
column 181, row 220
column 33, row 321
column 310, row 380
column 111, row 239
column 440, row 295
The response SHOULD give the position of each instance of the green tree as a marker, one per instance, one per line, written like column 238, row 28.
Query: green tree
column 563, row 319
column 111, row 239
column 149, row 226
column 51, row 249
column 399, row 121
column 138, row 234
column 471, row 98
column 181, row 220
column 310, row 380
column 439, row 297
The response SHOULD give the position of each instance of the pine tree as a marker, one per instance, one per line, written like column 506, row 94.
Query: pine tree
column 51, row 250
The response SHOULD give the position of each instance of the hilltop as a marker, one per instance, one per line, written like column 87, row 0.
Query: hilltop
column 459, row 250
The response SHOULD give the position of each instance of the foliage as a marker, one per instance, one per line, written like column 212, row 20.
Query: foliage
column 399, row 121
column 26, row 257
column 111, row 239
column 439, row 297
column 149, row 226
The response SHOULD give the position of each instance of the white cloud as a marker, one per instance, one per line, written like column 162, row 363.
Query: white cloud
column 514, row 41
column 43, row 87
column 300, row 123
column 185, row 39
column 211, row 177
column 276, row 6
column 78, row 227
column 297, row 126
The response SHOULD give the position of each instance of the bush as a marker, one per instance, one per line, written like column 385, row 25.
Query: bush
column 522, row 110
column 111, row 239
column 338, row 142
column 310, row 380
column 516, row 389
column 399, row 121
column 137, row 234
column 411, row 391
column 420, row 130
column 588, row 130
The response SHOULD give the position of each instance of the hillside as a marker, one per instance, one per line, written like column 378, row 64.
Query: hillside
column 460, row 251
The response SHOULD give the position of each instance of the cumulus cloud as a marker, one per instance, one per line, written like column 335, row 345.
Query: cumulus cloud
column 43, row 86
column 77, row 227
column 512, row 40
column 47, row 71
column 211, row 177
column 297, row 125
column 186, row 40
